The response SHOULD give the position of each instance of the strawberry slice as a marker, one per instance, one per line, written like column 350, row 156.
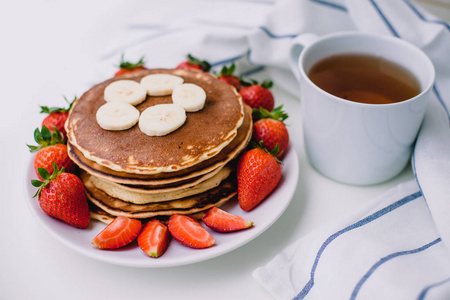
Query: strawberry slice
column 154, row 238
column 189, row 232
column 222, row 221
column 118, row 233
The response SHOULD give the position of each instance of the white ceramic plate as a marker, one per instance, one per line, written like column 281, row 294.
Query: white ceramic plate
column 263, row 216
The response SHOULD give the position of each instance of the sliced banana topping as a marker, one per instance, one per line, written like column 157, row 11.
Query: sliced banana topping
column 160, row 84
column 117, row 116
column 128, row 91
column 190, row 96
column 162, row 119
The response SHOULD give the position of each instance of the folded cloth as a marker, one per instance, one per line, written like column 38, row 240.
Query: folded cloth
column 397, row 247
column 370, row 254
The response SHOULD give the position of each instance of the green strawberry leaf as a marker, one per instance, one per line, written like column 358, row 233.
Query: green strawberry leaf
column 228, row 71
column 204, row 65
column 36, row 183
column 46, row 176
column 49, row 110
column 267, row 84
column 45, row 138
column 131, row 66
column 276, row 114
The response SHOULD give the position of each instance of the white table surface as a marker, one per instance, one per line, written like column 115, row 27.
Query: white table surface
column 47, row 47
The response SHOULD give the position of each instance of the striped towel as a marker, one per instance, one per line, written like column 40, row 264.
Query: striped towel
column 397, row 246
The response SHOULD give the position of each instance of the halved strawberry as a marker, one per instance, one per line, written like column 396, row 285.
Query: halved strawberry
column 219, row 220
column 189, row 232
column 154, row 238
column 118, row 233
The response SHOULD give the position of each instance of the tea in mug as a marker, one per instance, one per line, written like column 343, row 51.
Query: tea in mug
column 364, row 78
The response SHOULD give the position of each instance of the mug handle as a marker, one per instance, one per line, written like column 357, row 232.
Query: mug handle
column 298, row 44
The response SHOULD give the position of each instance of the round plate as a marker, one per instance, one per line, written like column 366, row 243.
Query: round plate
column 263, row 216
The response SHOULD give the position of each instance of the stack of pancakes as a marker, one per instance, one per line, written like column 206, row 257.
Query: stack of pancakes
column 127, row 173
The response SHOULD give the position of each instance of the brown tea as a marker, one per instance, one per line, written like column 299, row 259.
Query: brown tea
column 364, row 78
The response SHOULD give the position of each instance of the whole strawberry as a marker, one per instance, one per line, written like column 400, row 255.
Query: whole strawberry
column 258, row 95
column 126, row 67
column 57, row 116
column 258, row 174
column 227, row 76
column 62, row 196
column 269, row 127
column 51, row 149
column 193, row 63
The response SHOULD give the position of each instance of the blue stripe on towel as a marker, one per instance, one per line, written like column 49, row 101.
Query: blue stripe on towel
column 228, row 60
column 431, row 286
column 358, row 224
column 331, row 4
column 252, row 71
column 388, row 24
column 423, row 18
column 225, row 61
column 386, row 259
column 272, row 35
column 438, row 95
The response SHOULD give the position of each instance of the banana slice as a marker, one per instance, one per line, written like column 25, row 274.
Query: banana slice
column 117, row 116
column 160, row 84
column 127, row 91
column 162, row 119
column 190, row 96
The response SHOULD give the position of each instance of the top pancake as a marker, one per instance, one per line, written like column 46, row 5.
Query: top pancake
column 204, row 134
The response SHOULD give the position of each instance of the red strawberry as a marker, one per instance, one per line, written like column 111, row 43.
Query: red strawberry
column 258, row 95
column 258, row 174
column 57, row 116
column 118, row 233
column 227, row 76
column 271, row 129
column 128, row 67
column 222, row 221
column 51, row 148
column 194, row 63
column 189, row 232
column 62, row 196
column 154, row 238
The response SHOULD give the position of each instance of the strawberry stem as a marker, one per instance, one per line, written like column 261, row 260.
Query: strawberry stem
column 45, row 138
column 276, row 114
column 130, row 66
column 46, row 176
column 49, row 110
column 228, row 71
column 204, row 65
column 275, row 151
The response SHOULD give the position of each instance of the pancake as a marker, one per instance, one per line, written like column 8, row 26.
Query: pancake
column 193, row 175
column 141, row 195
column 100, row 215
column 204, row 134
column 186, row 206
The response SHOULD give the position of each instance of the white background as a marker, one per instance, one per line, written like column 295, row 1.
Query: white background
column 48, row 49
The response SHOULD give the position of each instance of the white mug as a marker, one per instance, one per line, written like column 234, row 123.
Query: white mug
column 357, row 143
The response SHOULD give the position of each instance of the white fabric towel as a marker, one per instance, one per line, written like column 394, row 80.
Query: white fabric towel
column 395, row 248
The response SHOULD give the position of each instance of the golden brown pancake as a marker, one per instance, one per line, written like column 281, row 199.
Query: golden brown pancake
column 204, row 134
column 193, row 175
column 187, row 206
column 100, row 215
column 140, row 195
